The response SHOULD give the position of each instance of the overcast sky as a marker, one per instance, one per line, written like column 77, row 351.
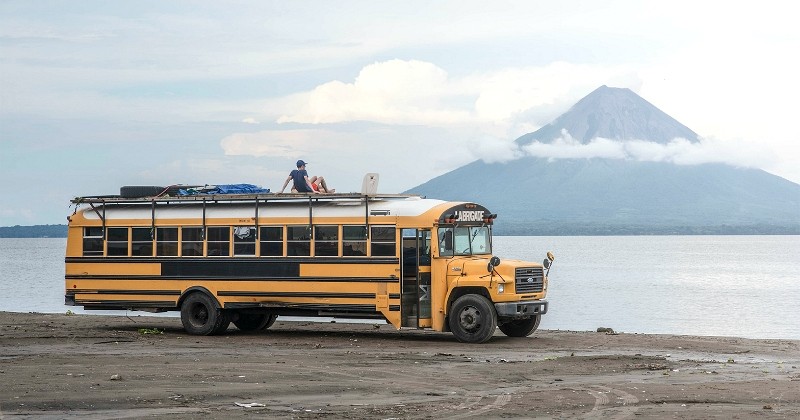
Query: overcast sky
column 96, row 95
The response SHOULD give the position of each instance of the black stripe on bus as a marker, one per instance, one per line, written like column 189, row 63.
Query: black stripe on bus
column 394, row 295
column 298, row 294
column 218, row 260
column 126, row 292
column 394, row 308
column 124, row 304
column 235, row 278
column 333, row 307
column 228, row 268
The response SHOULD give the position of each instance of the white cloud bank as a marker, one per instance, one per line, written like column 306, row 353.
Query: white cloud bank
column 678, row 151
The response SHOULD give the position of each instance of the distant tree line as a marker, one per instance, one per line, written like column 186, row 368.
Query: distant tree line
column 36, row 231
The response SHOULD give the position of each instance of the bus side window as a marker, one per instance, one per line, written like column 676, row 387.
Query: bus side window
column 298, row 241
column 141, row 242
column 92, row 241
column 244, row 240
column 191, row 241
column 326, row 241
column 219, row 241
column 117, row 242
column 383, row 241
column 354, row 241
column 272, row 241
column 167, row 242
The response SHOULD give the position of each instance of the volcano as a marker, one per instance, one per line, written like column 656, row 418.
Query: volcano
column 534, row 195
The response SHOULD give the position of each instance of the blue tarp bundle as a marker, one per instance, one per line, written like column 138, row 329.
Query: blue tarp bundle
column 225, row 189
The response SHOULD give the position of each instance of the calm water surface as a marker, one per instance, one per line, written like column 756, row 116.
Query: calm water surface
column 745, row 286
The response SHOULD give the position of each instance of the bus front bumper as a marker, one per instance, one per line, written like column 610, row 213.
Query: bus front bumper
column 525, row 309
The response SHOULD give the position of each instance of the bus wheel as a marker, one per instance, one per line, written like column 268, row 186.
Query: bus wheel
column 200, row 316
column 472, row 319
column 521, row 327
column 254, row 322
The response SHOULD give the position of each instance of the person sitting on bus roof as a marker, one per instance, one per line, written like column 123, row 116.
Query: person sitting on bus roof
column 302, row 183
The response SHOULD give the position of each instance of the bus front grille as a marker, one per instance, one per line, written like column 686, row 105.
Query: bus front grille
column 529, row 280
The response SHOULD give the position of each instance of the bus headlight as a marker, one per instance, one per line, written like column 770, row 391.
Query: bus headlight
column 500, row 287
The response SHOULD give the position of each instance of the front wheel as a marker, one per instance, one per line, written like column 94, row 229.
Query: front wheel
column 521, row 327
column 472, row 319
column 200, row 316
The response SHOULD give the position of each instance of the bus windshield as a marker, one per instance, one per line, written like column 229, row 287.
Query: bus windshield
column 472, row 240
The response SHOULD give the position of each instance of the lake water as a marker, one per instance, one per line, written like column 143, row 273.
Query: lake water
column 744, row 286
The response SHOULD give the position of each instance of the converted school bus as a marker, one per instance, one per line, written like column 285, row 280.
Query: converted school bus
column 248, row 258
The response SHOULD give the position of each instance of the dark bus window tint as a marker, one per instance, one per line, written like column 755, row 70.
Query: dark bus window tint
column 93, row 241
column 117, row 234
column 298, row 241
column 191, row 241
column 117, row 242
column 167, row 234
column 354, row 241
column 142, row 242
column 272, row 241
column 383, row 241
column 167, row 242
column 92, row 246
column 326, row 240
column 219, row 241
column 244, row 240
column 93, row 232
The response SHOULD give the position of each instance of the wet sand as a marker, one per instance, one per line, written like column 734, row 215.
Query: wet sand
column 91, row 366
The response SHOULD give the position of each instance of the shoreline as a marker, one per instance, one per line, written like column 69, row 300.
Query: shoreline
column 63, row 366
column 69, row 311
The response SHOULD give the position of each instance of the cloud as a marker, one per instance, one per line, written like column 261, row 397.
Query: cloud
column 506, row 102
column 678, row 151
column 391, row 92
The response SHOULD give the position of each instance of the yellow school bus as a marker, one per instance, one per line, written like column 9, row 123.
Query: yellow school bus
column 249, row 258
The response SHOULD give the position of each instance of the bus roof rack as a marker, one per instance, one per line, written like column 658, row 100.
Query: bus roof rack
column 298, row 197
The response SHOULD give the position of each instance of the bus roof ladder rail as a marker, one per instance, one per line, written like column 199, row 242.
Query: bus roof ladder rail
column 153, row 221
column 256, row 219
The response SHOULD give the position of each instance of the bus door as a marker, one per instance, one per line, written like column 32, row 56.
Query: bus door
column 415, row 300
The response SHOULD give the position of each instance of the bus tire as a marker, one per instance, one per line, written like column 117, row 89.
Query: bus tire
column 521, row 327
column 254, row 322
column 139, row 191
column 472, row 319
column 200, row 316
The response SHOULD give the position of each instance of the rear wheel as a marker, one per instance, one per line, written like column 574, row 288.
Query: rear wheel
column 472, row 319
column 200, row 315
column 254, row 322
column 521, row 327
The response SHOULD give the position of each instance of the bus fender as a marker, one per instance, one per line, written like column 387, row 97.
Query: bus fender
column 198, row 289
column 457, row 292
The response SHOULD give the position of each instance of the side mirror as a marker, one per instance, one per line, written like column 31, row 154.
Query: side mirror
column 493, row 262
column 550, row 256
column 546, row 263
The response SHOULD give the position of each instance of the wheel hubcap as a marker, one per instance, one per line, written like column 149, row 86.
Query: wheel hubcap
column 200, row 314
column 470, row 318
